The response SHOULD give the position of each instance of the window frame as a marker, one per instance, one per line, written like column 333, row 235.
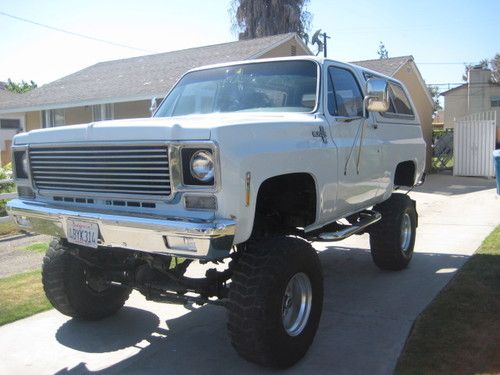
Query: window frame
column 49, row 117
column 330, row 81
column 102, row 109
column 395, row 115
column 495, row 99
column 18, row 127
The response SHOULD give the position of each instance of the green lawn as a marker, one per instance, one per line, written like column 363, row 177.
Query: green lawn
column 21, row 296
column 37, row 247
column 459, row 333
column 8, row 228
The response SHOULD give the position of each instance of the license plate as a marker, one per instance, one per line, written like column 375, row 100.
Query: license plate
column 82, row 233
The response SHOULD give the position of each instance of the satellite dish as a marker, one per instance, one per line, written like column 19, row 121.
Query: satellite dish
column 315, row 40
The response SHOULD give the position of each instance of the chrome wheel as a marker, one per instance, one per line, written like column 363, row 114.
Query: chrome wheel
column 405, row 232
column 297, row 303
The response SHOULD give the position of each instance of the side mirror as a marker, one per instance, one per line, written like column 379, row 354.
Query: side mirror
column 153, row 106
column 377, row 95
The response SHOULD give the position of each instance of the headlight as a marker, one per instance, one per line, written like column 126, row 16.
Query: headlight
column 202, row 166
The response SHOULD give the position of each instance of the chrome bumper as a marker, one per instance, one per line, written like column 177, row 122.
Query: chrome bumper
column 188, row 238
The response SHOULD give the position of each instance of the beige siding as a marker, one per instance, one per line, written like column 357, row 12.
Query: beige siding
column 33, row 120
column 78, row 115
column 455, row 106
column 408, row 75
column 286, row 50
column 132, row 109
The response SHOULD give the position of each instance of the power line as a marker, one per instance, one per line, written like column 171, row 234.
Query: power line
column 74, row 34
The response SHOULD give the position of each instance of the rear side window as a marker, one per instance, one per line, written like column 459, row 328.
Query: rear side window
column 344, row 94
column 400, row 102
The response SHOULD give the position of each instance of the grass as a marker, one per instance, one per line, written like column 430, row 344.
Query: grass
column 8, row 228
column 37, row 247
column 459, row 332
column 21, row 296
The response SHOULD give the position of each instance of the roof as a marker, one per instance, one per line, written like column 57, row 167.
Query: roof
column 138, row 78
column 388, row 66
column 453, row 89
column 5, row 95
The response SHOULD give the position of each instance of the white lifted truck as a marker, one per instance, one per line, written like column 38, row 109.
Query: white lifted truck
column 247, row 162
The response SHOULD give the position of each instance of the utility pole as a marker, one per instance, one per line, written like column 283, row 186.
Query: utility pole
column 325, row 37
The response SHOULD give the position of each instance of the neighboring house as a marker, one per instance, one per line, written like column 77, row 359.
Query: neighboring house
column 404, row 69
column 478, row 95
column 438, row 120
column 10, row 124
column 124, row 88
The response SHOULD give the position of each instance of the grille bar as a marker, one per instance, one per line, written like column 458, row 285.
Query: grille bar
column 107, row 170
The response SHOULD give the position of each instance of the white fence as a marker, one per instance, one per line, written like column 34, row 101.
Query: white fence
column 6, row 196
column 473, row 145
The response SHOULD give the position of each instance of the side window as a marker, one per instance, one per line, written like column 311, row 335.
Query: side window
column 346, row 99
column 400, row 101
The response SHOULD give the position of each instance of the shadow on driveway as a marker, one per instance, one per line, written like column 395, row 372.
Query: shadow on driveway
column 366, row 317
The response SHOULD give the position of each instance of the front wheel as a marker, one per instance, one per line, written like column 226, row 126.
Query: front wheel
column 77, row 290
column 392, row 239
column 275, row 301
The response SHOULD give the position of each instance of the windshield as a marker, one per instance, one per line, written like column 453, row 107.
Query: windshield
column 278, row 86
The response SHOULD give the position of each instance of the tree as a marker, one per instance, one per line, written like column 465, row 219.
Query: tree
column 382, row 52
column 259, row 18
column 495, row 68
column 434, row 92
column 20, row 87
column 493, row 65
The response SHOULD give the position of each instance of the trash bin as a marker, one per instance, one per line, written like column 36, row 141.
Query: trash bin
column 496, row 161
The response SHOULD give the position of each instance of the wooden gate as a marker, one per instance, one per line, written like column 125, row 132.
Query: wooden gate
column 473, row 145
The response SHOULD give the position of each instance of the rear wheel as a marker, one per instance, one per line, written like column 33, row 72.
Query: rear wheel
column 77, row 290
column 275, row 301
column 392, row 239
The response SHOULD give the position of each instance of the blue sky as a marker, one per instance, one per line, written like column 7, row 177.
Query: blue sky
column 441, row 35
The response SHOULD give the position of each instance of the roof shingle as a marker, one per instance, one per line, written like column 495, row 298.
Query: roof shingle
column 387, row 66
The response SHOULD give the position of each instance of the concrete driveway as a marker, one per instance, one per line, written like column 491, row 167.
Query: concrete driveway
column 366, row 318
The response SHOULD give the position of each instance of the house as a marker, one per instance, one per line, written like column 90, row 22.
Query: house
column 404, row 69
column 124, row 88
column 10, row 124
column 479, row 94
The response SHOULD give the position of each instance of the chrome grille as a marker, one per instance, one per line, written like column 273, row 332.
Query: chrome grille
column 108, row 170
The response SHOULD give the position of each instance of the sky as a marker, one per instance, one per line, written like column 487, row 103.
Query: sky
column 442, row 35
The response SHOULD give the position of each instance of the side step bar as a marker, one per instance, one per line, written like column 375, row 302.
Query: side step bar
column 367, row 218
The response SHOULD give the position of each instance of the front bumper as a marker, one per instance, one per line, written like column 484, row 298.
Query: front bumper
column 188, row 238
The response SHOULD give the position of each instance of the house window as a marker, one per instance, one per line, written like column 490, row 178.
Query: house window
column 495, row 101
column 293, row 50
column 101, row 112
column 10, row 124
column 53, row 117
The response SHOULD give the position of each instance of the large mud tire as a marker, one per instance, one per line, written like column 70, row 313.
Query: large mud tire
column 275, row 301
column 67, row 288
column 392, row 239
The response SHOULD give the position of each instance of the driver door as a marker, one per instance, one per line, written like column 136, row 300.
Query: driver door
column 357, row 139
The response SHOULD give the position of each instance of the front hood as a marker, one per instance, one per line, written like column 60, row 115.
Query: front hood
column 185, row 128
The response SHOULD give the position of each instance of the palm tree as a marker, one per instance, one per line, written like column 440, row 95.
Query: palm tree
column 259, row 18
